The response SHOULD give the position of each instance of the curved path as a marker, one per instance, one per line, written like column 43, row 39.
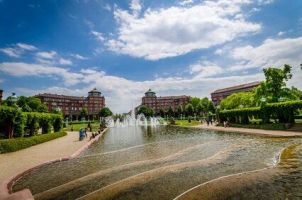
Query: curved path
column 14, row 163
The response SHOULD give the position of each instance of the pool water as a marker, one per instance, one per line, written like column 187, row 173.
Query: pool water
column 166, row 162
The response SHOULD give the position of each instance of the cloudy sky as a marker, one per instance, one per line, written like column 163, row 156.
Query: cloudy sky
column 123, row 48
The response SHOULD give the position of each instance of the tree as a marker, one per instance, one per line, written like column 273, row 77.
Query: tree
column 180, row 110
column 189, row 109
column 83, row 113
column 199, row 108
column 170, row 112
column 194, row 101
column 146, row 111
column 237, row 100
column 105, row 112
column 275, row 83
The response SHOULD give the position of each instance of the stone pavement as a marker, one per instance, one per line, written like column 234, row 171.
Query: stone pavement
column 16, row 162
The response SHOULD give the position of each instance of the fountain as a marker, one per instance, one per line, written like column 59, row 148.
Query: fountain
column 132, row 120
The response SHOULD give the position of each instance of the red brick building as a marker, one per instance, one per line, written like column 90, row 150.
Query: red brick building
column 71, row 106
column 220, row 94
column 163, row 103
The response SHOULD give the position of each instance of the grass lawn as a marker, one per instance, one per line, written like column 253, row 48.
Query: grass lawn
column 185, row 123
column 77, row 127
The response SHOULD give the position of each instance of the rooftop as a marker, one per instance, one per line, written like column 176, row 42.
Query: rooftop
column 60, row 96
column 237, row 87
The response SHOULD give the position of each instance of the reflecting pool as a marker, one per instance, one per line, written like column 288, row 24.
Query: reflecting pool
column 166, row 162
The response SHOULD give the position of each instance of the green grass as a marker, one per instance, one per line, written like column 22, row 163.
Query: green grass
column 185, row 123
column 11, row 145
column 78, row 126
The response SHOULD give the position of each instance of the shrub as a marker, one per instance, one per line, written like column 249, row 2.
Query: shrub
column 10, row 145
column 45, row 121
column 12, row 121
column 57, row 122
column 283, row 111
column 32, row 122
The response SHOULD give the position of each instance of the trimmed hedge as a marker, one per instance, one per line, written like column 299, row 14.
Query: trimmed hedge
column 11, row 145
column 283, row 111
column 14, row 123
column 273, row 126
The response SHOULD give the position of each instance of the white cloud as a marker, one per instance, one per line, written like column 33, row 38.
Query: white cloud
column 98, row 36
column 26, row 46
column 176, row 31
column 63, row 61
column 18, row 49
column 185, row 2
column 205, row 69
column 47, row 54
column 135, row 6
column 272, row 52
column 79, row 57
column 12, row 52
column 20, row 69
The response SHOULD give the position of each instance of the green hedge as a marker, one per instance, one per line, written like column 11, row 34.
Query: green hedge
column 14, row 123
column 273, row 126
column 11, row 145
column 283, row 111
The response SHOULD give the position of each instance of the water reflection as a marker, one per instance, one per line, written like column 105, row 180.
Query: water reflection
column 163, row 162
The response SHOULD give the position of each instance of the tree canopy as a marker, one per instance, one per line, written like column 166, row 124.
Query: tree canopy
column 105, row 112
column 27, row 104
column 148, row 112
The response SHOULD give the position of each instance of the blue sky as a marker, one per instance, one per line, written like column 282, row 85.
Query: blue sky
column 123, row 48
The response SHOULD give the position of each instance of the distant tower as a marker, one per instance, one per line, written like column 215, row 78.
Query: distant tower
column 150, row 93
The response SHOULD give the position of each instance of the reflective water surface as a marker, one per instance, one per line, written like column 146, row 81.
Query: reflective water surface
column 170, row 162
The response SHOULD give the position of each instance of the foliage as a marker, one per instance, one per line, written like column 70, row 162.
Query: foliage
column 238, row 100
column 11, row 121
column 170, row 112
column 105, row 112
column 189, row 109
column 31, row 104
column 14, row 122
column 274, row 126
column 148, row 112
column 11, row 145
column 284, row 112
column 274, row 87
column 84, row 113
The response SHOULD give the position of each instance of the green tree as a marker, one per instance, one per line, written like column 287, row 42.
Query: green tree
column 83, row 113
column 189, row 109
column 194, row 101
column 105, row 112
column 238, row 100
column 199, row 109
column 274, row 86
column 170, row 112
column 148, row 112
column 180, row 110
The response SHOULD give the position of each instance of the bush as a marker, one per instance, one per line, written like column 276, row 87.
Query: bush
column 57, row 121
column 11, row 145
column 283, row 111
column 274, row 126
column 12, row 121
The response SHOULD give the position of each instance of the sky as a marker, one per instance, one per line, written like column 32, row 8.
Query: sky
column 123, row 48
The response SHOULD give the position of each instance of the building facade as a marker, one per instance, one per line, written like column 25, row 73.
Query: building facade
column 220, row 94
column 163, row 103
column 71, row 106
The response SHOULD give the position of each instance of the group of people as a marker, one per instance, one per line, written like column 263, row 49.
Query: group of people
column 83, row 133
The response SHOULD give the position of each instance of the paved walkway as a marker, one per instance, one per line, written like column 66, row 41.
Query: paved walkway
column 268, row 133
column 19, row 161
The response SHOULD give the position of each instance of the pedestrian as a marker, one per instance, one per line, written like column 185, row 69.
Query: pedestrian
column 85, row 132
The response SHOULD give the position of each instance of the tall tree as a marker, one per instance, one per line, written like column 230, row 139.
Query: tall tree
column 275, row 83
column 189, row 109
